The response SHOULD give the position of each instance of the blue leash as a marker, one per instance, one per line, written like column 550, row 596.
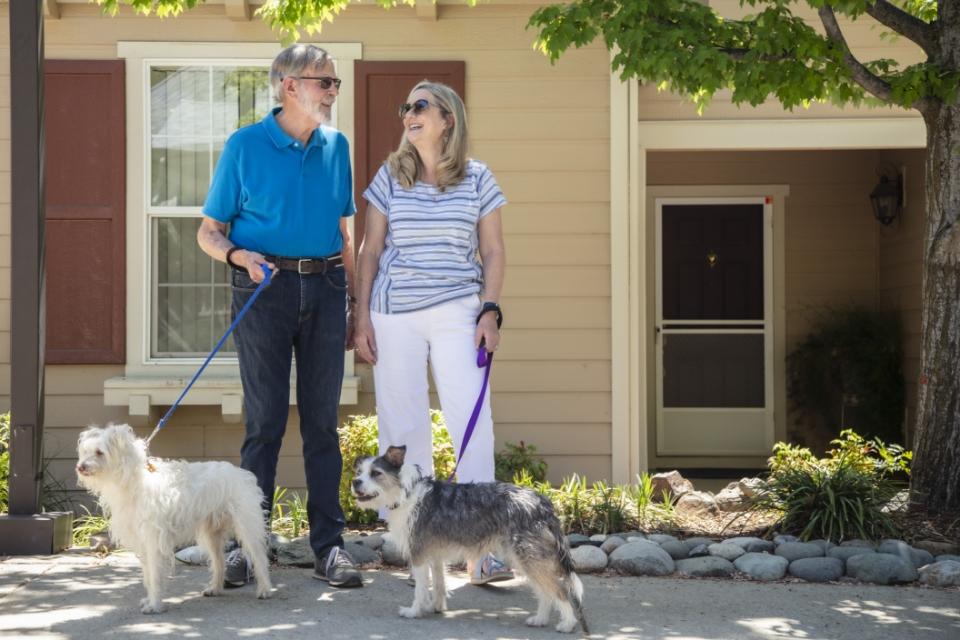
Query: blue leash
column 267, row 275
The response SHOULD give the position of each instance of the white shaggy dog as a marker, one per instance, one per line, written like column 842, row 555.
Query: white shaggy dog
column 157, row 505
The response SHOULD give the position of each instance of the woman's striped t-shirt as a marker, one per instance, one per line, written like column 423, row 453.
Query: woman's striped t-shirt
column 430, row 253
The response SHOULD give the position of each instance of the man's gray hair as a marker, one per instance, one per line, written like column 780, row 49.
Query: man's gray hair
column 295, row 60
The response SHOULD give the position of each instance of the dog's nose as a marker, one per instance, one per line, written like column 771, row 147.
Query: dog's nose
column 81, row 467
column 357, row 482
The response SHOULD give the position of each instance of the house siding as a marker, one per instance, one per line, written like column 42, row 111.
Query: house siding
column 901, row 270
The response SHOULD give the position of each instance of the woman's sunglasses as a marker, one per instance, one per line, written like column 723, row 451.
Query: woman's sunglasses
column 417, row 107
column 325, row 81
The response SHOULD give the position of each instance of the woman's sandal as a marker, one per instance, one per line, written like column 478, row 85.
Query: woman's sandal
column 490, row 570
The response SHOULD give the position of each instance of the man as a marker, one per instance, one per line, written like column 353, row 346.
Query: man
column 284, row 186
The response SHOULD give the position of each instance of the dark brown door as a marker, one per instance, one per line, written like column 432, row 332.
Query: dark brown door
column 85, row 191
column 712, row 326
column 381, row 88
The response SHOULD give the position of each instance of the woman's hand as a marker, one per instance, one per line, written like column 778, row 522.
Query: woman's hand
column 487, row 332
column 363, row 338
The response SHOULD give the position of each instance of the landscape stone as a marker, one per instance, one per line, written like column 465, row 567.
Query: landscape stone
column 817, row 569
column 726, row 550
column 696, row 541
column 694, row 502
column 706, row 567
column 845, row 553
column 671, row 482
column 676, row 549
column 752, row 544
column 797, row 550
column 941, row 574
column 881, row 568
column 611, row 543
column 642, row 559
column 762, row 566
column 361, row 554
column 391, row 553
column 588, row 558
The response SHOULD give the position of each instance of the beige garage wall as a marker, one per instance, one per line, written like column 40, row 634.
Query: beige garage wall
column 831, row 239
column 544, row 130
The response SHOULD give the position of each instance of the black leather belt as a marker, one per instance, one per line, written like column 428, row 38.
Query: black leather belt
column 306, row 266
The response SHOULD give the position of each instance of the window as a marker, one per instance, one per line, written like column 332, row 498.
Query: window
column 193, row 109
column 183, row 100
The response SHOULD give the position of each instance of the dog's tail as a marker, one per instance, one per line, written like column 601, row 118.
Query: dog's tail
column 572, row 581
column 575, row 592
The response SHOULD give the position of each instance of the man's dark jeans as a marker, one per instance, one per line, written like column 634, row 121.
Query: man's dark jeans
column 305, row 315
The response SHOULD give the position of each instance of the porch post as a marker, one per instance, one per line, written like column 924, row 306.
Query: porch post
column 25, row 531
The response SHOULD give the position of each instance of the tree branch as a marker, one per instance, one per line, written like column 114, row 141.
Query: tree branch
column 861, row 75
column 892, row 16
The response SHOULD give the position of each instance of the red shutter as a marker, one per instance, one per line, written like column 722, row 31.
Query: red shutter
column 85, row 190
column 381, row 88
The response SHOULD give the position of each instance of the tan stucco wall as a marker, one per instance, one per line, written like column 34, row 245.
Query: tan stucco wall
column 543, row 129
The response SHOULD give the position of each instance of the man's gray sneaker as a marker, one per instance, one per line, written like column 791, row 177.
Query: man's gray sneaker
column 237, row 571
column 338, row 568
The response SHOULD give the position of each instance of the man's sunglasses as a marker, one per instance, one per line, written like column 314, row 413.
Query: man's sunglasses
column 417, row 106
column 325, row 81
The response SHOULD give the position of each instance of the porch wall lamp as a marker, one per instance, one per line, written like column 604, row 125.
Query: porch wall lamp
column 887, row 198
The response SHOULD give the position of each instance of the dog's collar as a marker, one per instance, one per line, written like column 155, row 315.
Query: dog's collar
column 150, row 466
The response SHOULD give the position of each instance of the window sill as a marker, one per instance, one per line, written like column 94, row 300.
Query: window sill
column 142, row 395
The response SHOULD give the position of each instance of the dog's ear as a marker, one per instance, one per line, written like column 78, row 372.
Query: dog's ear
column 395, row 455
column 119, row 436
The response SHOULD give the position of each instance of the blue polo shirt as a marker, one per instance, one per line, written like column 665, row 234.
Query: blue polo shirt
column 280, row 197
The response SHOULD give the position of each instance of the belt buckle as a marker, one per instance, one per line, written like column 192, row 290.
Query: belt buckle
column 300, row 270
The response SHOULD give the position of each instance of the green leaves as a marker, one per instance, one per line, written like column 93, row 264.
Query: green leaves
column 687, row 47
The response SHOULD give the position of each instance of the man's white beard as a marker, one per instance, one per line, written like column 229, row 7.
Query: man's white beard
column 316, row 110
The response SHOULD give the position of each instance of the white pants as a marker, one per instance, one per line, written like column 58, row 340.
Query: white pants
column 444, row 335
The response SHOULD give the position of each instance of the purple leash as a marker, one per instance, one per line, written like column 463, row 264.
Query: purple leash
column 484, row 361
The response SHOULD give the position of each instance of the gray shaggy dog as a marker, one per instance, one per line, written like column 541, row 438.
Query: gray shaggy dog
column 433, row 522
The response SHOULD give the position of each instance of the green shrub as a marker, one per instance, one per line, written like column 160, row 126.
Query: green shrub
column 847, row 373
column 358, row 437
column 840, row 496
column 87, row 525
column 289, row 516
column 601, row 508
column 516, row 458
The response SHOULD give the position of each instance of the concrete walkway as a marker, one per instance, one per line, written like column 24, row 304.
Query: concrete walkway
column 79, row 595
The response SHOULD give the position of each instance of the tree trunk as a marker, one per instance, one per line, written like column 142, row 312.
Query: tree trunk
column 935, row 482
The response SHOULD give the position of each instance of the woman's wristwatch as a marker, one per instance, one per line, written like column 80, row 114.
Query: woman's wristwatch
column 491, row 306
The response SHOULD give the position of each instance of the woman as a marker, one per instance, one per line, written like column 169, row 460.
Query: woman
column 423, row 294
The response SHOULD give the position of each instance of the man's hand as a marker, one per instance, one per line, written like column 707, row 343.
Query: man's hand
column 251, row 261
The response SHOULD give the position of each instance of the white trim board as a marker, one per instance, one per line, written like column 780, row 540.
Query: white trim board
column 807, row 133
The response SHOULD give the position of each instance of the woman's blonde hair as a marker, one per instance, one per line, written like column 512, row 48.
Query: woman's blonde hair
column 405, row 164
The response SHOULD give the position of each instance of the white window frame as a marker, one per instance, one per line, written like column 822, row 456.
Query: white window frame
column 148, row 381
